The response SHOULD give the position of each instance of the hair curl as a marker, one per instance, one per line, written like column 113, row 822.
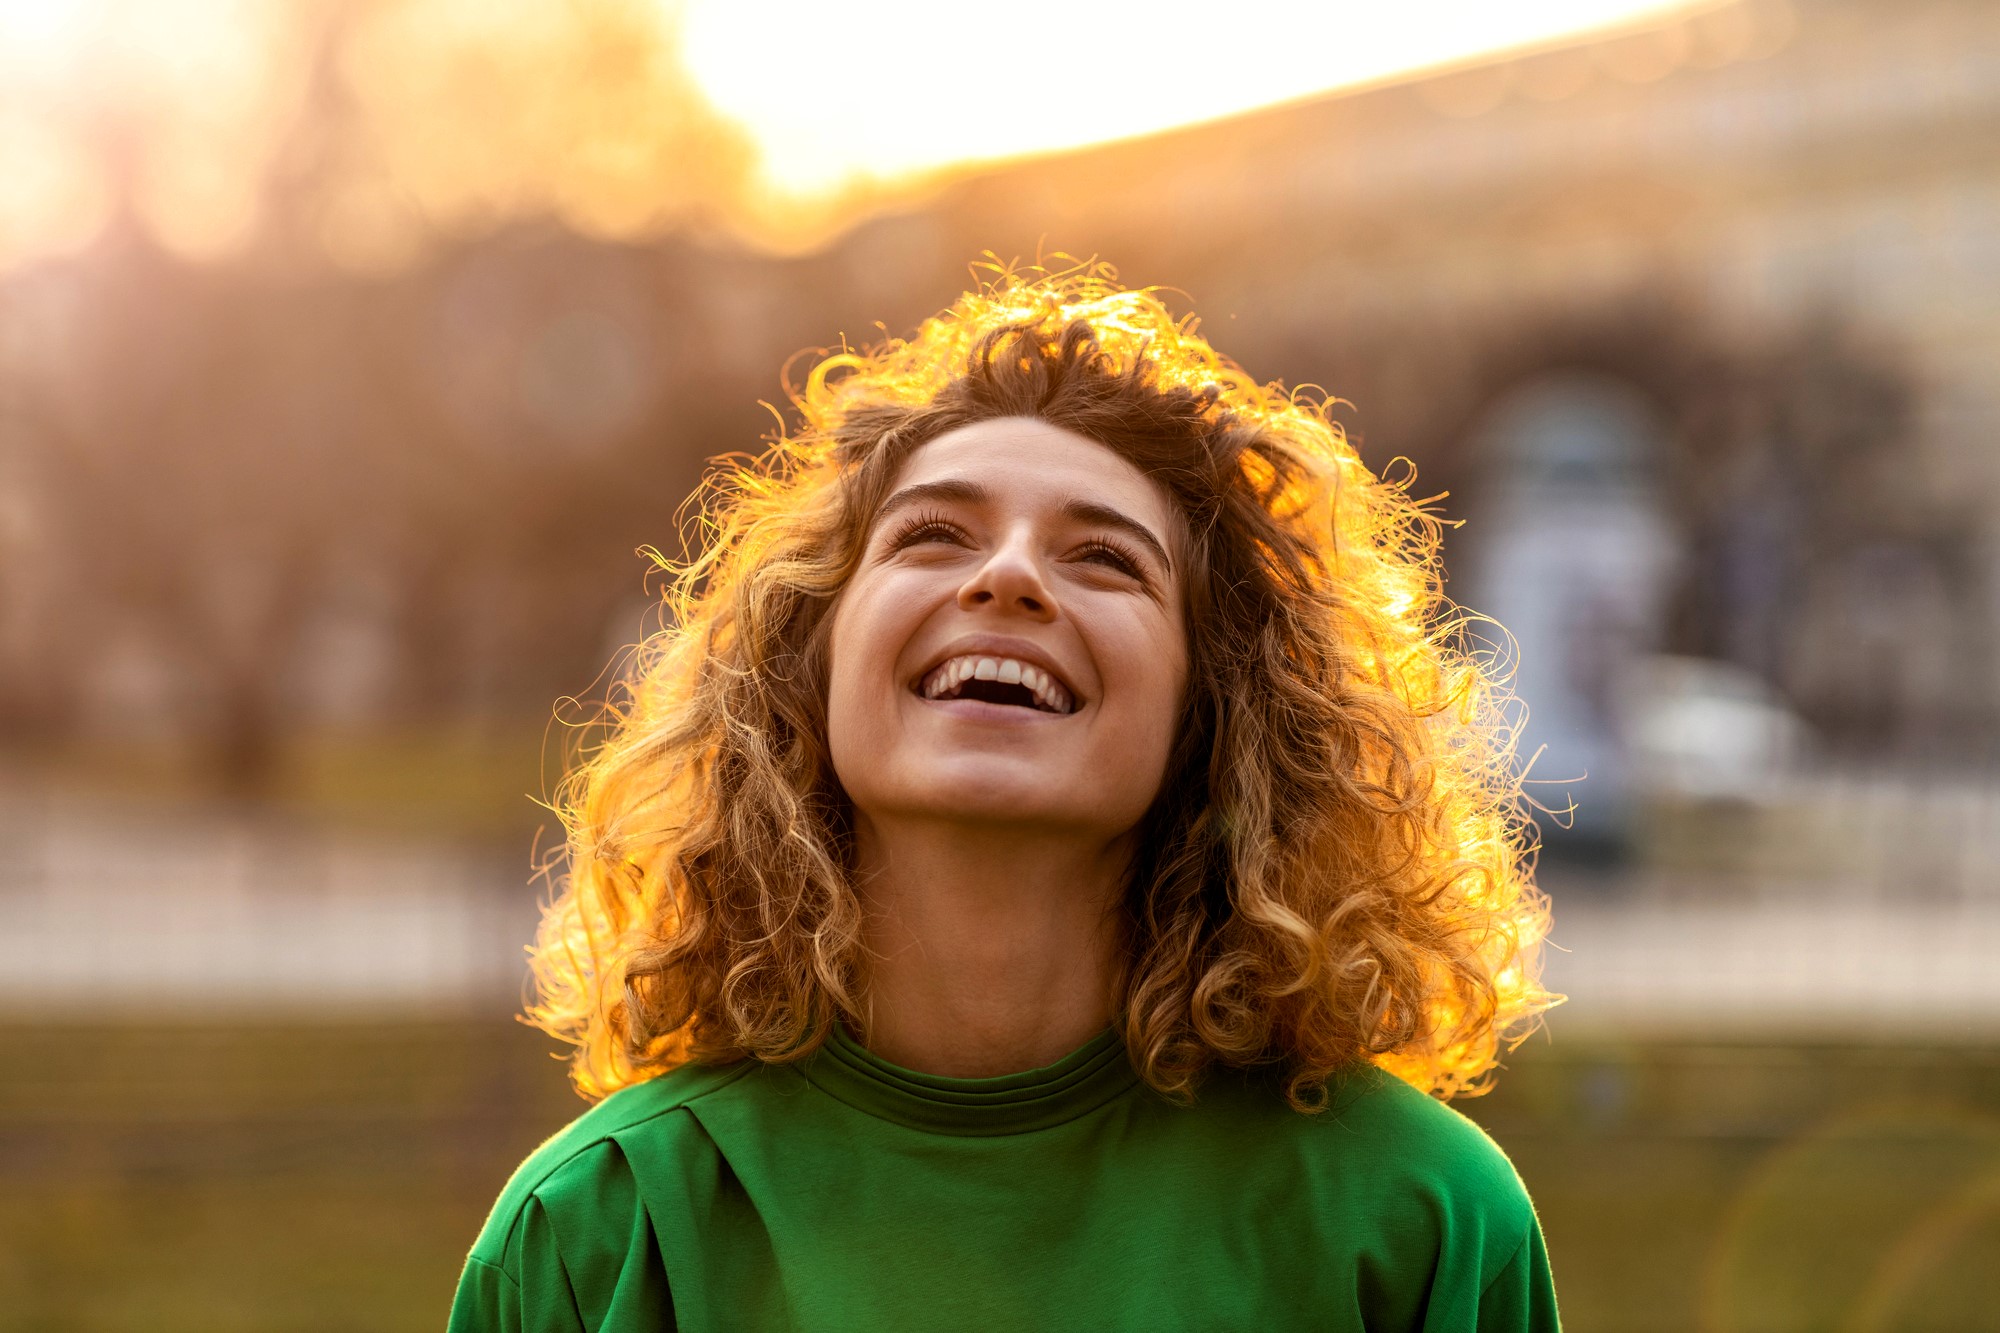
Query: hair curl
column 1338, row 866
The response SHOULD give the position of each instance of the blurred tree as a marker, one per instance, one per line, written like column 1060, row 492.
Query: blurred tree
column 471, row 112
column 379, row 388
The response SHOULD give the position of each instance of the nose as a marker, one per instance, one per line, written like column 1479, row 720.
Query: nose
column 1010, row 580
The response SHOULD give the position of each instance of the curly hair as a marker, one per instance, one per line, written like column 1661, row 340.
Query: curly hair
column 1338, row 866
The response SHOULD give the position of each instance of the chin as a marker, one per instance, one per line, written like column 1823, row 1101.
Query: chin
column 987, row 797
column 984, row 789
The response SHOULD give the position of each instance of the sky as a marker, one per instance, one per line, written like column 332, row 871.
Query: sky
column 907, row 86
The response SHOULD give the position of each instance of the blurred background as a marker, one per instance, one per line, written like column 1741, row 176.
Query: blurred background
column 349, row 351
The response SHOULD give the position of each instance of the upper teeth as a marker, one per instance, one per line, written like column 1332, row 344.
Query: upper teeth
column 954, row 672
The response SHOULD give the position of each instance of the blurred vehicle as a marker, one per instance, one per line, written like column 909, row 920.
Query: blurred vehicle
column 1696, row 729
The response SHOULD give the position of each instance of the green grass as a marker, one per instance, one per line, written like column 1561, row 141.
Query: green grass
column 1760, row 1186
column 257, row 1178
column 331, row 1177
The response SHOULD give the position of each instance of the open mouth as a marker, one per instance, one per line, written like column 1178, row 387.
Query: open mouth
column 997, row 680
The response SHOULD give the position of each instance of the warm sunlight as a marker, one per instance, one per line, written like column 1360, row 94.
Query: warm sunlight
column 361, row 129
column 174, row 104
column 905, row 86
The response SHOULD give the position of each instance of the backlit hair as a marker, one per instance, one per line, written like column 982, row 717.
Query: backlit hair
column 1337, row 867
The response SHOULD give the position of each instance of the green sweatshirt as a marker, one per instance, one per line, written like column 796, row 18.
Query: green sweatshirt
column 848, row 1194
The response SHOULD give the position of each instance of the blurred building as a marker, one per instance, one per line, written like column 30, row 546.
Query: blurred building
column 1697, row 322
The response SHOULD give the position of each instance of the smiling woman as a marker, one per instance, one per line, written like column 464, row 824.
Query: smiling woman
column 1055, row 813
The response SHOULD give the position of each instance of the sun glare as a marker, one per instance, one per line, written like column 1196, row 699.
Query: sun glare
column 907, row 86
column 625, row 117
column 182, row 91
column 38, row 32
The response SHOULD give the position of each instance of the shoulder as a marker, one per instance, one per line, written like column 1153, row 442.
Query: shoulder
column 1455, row 1221
column 576, row 1153
column 1380, row 1145
column 1405, row 1192
column 1419, row 1136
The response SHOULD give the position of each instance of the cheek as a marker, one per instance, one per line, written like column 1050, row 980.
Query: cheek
column 1168, row 704
column 1165, row 651
column 870, row 626
column 840, row 672
column 1152, row 684
column 846, row 709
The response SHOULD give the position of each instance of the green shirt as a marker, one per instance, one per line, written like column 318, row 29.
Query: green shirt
column 848, row 1194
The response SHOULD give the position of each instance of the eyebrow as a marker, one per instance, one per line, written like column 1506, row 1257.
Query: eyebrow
column 1084, row 511
column 1081, row 511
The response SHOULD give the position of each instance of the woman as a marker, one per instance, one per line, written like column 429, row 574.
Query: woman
column 1036, row 879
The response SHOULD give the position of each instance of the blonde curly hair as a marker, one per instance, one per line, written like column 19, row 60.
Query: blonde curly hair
column 1337, row 868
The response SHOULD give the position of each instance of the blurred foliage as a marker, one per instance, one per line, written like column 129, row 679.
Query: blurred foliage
column 355, row 132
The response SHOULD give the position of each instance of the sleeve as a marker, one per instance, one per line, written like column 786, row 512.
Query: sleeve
column 1521, row 1298
column 527, row 1291
column 571, row 1251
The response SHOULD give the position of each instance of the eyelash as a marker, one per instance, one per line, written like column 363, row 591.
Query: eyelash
column 1128, row 563
column 914, row 529
column 915, row 526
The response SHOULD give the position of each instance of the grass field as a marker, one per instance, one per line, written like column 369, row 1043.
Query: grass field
column 330, row 1177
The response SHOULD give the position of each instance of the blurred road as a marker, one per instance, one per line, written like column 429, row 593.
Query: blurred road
column 1808, row 967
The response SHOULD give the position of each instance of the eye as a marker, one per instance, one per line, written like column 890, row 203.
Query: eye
column 920, row 529
column 1100, row 551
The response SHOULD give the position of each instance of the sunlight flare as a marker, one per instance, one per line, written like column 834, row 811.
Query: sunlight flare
column 917, row 86
column 372, row 127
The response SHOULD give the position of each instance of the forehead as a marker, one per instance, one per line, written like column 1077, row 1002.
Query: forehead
column 1026, row 463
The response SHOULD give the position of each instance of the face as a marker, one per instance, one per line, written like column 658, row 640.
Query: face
column 1010, row 649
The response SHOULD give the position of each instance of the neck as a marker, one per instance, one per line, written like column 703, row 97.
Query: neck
column 992, row 950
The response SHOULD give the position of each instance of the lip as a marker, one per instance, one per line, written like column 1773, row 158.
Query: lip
column 999, row 645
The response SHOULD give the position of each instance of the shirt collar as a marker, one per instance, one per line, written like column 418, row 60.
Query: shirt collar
column 1073, row 1086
